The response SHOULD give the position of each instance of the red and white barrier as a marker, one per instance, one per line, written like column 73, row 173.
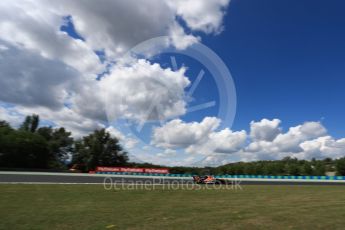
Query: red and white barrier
column 132, row 170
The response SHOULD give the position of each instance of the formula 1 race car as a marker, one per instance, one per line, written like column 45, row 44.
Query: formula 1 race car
column 207, row 180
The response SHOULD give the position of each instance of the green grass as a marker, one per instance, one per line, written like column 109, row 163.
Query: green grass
column 92, row 207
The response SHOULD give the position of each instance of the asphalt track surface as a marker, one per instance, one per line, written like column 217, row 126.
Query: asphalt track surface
column 63, row 178
column 12, row 178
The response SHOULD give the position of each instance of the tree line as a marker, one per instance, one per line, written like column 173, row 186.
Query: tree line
column 31, row 146
column 35, row 147
column 284, row 167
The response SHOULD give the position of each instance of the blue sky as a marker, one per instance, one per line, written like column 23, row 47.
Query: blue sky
column 65, row 62
column 287, row 59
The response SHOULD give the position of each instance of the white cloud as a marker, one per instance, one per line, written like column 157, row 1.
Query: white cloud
column 115, row 133
column 29, row 79
column 116, row 26
column 322, row 147
column 202, row 15
column 178, row 134
column 33, row 26
column 167, row 153
column 223, row 142
column 11, row 116
column 265, row 129
column 43, row 69
column 112, row 26
column 144, row 91
column 289, row 142
column 128, row 142
column 267, row 141
column 65, row 117
column 227, row 141
column 147, row 147
column 212, row 160
column 3, row 47
column 198, row 137
column 179, row 39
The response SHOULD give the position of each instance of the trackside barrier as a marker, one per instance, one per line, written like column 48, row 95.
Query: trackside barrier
column 234, row 176
column 132, row 170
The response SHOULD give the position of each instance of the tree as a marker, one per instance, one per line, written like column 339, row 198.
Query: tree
column 26, row 124
column 28, row 148
column 99, row 149
column 35, row 120
column 30, row 123
column 5, row 130
column 60, row 144
column 22, row 149
column 45, row 132
column 5, row 124
column 272, row 168
column 293, row 169
column 307, row 169
column 319, row 168
column 340, row 166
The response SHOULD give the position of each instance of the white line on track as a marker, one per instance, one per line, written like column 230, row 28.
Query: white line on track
column 68, row 183
column 48, row 183
column 284, row 180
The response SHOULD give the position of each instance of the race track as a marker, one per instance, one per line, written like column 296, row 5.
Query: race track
column 82, row 178
column 79, row 178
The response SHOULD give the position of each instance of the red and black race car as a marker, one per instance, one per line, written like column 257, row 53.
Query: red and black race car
column 208, row 180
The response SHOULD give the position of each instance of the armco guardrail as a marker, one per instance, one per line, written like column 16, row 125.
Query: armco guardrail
column 235, row 176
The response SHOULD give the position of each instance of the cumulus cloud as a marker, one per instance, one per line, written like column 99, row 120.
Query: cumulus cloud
column 306, row 141
column 179, row 39
column 128, row 142
column 202, row 15
column 198, row 137
column 51, row 88
column 178, row 134
column 212, row 160
column 322, row 147
column 144, row 91
column 265, row 129
column 30, row 25
column 30, row 79
column 289, row 141
column 44, row 70
column 167, row 153
column 227, row 141
column 266, row 141
column 11, row 116
column 115, row 133
column 141, row 91
column 116, row 26
column 65, row 117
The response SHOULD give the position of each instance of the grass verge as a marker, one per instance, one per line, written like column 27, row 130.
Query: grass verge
column 92, row 207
